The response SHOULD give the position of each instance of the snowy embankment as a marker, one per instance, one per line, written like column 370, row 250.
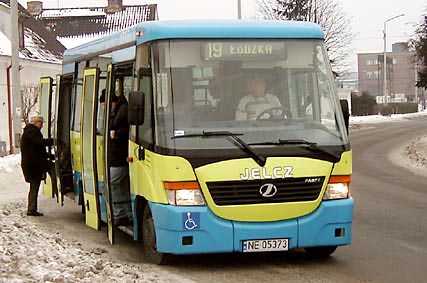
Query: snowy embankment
column 28, row 254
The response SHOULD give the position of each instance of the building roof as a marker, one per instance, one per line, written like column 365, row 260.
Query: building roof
column 94, row 21
column 39, row 44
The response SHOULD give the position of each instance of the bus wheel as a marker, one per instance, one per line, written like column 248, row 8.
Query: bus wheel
column 149, row 239
column 321, row 252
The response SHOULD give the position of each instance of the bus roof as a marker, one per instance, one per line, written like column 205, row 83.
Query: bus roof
column 227, row 29
column 180, row 29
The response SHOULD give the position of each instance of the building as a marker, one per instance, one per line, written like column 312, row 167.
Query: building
column 346, row 86
column 401, row 73
column 74, row 26
column 40, row 55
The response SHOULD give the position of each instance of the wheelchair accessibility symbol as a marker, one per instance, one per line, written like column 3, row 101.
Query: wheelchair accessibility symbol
column 191, row 220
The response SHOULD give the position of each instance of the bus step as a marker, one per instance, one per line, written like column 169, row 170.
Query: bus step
column 127, row 229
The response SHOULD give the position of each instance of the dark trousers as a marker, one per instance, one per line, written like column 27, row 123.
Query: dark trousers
column 34, row 189
column 32, row 195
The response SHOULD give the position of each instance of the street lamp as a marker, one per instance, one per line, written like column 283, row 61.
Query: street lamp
column 385, row 58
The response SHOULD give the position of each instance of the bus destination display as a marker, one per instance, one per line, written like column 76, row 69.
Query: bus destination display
column 232, row 50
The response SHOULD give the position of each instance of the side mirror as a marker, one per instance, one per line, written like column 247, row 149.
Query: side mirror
column 345, row 112
column 136, row 108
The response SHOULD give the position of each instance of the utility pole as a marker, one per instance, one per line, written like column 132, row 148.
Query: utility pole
column 416, row 88
column 385, row 57
column 239, row 9
column 16, row 86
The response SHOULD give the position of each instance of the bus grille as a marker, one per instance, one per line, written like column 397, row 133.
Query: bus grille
column 248, row 192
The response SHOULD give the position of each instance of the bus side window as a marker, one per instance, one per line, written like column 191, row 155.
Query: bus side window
column 145, row 134
column 77, row 98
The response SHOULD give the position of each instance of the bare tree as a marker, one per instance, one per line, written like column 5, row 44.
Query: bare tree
column 30, row 97
column 326, row 13
column 419, row 45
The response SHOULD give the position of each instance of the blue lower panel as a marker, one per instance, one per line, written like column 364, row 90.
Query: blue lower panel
column 191, row 230
column 319, row 228
column 173, row 223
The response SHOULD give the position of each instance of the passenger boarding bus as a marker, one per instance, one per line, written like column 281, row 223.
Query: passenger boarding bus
column 213, row 167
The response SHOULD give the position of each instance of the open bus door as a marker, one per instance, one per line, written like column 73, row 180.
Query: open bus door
column 45, row 106
column 60, row 198
column 106, row 171
column 61, row 133
column 88, row 148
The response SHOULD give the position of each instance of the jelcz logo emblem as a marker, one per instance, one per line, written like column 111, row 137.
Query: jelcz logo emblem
column 268, row 190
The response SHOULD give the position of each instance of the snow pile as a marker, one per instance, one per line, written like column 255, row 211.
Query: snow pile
column 27, row 254
column 9, row 163
column 416, row 151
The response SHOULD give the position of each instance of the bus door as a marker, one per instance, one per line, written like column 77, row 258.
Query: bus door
column 102, row 166
column 45, row 100
column 119, row 82
column 88, row 147
column 63, row 168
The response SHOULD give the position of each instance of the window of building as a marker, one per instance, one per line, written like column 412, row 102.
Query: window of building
column 372, row 75
column 372, row 62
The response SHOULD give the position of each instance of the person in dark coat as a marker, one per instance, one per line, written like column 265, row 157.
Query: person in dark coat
column 35, row 161
column 118, row 154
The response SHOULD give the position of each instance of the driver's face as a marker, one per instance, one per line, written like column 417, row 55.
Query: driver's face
column 257, row 86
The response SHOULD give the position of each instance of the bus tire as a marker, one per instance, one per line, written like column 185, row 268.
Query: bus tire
column 149, row 238
column 321, row 252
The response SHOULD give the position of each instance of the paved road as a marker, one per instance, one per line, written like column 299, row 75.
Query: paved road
column 390, row 222
column 389, row 231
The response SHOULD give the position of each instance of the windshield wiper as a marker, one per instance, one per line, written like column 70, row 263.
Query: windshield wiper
column 233, row 137
column 310, row 145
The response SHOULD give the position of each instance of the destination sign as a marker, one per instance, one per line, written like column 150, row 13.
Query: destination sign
column 232, row 50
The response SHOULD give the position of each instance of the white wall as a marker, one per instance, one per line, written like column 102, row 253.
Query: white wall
column 5, row 25
column 30, row 74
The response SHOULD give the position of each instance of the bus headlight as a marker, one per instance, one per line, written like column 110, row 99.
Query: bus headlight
column 184, row 193
column 338, row 187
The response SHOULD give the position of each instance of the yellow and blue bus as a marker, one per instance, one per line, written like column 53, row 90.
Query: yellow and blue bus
column 202, row 181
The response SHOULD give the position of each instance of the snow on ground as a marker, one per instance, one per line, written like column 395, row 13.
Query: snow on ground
column 28, row 253
column 373, row 119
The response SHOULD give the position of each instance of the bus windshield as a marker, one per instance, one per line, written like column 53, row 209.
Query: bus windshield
column 265, row 90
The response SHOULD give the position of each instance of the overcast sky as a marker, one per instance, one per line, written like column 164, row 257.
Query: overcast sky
column 367, row 16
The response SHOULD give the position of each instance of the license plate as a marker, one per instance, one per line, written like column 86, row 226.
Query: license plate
column 266, row 245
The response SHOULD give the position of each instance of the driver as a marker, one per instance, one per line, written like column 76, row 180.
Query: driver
column 257, row 101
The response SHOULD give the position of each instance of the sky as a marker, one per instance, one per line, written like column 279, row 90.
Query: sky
column 367, row 16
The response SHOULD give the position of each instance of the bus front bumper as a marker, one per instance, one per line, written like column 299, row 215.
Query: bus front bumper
column 195, row 230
